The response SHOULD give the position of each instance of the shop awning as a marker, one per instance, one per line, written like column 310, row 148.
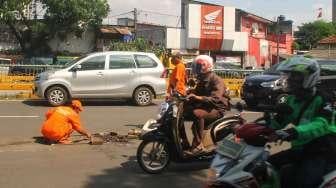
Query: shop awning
column 115, row 30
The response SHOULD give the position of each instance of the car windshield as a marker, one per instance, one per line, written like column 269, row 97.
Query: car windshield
column 227, row 65
column 328, row 67
column 74, row 61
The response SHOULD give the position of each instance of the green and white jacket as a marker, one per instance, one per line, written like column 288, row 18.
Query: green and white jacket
column 317, row 120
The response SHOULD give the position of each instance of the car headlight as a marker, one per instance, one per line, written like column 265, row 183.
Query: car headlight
column 37, row 77
column 275, row 85
column 43, row 76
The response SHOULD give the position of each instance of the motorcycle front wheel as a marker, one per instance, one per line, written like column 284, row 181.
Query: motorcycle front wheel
column 153, row 156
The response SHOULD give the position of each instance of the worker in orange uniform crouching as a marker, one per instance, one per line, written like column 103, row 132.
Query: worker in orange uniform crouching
column 62, row 121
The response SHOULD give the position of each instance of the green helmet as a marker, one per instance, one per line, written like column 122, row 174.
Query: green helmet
column 309, row 68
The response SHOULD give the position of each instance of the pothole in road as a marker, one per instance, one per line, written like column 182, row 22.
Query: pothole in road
column 113, row 137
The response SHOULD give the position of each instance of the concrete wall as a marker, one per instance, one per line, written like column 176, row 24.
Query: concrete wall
column 176, row 38
column 154, row 34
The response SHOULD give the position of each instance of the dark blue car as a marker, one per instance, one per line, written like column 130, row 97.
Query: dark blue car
column 266, row 88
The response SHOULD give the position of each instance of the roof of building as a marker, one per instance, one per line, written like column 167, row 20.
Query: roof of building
column 115, row 30
column 259, row 18
column 328, row 40
column 256, row 17
column 203, row 2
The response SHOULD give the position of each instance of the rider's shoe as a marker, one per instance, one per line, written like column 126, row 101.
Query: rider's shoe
column 198, row 150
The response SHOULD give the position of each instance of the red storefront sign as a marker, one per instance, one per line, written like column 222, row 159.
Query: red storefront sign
column 211, row 27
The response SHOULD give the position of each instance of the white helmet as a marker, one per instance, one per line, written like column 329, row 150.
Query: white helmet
column 202, row 64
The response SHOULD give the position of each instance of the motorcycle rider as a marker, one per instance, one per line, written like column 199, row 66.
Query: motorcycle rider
column 208, row 101
column 313, row 136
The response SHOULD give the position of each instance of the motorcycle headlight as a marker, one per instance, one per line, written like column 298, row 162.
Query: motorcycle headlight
column 275, row 85
column 163, row 109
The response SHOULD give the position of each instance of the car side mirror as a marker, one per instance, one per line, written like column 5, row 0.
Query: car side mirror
column 76, row 68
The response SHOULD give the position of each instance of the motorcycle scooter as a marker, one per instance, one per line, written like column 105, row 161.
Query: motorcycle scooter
column 238, row 164
column 161, row 138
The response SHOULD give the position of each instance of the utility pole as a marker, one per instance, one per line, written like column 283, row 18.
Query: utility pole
column 135, row 12
column 280, row 19
column 278, row 40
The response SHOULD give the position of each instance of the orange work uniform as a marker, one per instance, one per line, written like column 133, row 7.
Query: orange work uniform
column 177, row 79
column 61, row 122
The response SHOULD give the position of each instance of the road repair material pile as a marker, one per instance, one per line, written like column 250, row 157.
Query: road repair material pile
column 110, row 137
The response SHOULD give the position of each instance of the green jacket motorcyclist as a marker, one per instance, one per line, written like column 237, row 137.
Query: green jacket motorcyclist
column 313, row 134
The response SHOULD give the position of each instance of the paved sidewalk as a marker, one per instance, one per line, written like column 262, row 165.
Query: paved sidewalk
column 15, row 93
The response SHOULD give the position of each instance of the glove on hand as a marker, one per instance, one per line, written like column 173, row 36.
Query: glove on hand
column 282, row 135
column 286, row 135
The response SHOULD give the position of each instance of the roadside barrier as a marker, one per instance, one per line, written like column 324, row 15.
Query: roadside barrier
column 21, row 76
column 234, row 79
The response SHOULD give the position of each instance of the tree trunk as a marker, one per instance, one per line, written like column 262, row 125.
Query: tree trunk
column 17, row 35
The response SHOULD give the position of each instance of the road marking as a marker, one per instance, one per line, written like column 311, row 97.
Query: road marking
column 19, row 116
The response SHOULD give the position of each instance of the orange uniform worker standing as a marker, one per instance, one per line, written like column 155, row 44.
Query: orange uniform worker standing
column 177, row 79
column 62, row 121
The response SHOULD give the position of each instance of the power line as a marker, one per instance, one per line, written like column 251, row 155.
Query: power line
column 116, row 15
column 158, row 13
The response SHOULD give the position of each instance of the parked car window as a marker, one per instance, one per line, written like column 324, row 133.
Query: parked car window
column 328, row 67
column 94, row 63
column 121, row 62
column 144, row 61
column 226, row 65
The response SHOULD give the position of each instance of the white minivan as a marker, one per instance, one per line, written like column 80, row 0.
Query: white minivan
column 113, row 74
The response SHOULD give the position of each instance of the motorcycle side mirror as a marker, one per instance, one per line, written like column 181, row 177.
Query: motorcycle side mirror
column 239, row 106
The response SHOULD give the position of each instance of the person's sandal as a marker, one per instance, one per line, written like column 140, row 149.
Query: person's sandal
column 65, row 142
column 197, row 150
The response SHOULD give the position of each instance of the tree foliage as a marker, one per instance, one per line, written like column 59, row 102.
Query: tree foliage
column 61, row 17
column 139, row 44
column 67, row 16
column 309, row 34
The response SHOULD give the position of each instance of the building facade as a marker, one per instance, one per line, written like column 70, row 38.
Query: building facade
column 229, row 33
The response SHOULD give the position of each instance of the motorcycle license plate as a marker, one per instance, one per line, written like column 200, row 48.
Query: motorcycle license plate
column 230, row 148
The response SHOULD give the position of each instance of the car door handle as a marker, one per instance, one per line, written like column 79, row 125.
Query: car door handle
column 132, row 72
column 100, row 74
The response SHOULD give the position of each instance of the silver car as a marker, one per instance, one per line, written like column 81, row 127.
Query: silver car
column 113, row 74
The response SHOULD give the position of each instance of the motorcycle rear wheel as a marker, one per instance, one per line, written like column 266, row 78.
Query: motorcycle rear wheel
column 156, row 159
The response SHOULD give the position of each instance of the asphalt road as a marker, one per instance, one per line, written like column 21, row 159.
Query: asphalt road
column 24, row 162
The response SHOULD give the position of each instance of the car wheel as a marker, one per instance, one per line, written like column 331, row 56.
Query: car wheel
column 57, row 96
column 281, row 99
column 143, row 96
